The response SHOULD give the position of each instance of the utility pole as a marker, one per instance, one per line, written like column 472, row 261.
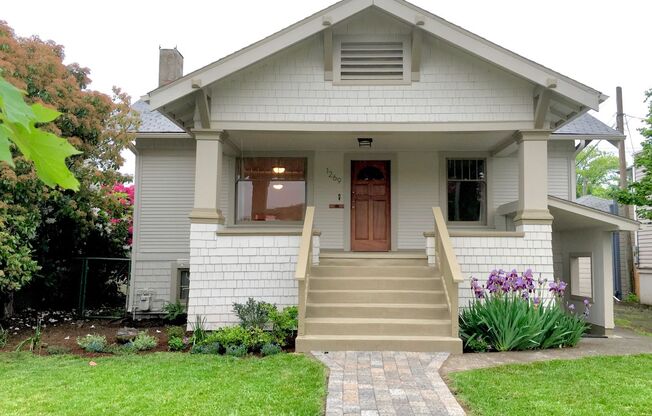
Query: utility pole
column 622, row 158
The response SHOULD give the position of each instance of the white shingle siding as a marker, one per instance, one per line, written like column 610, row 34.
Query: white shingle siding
column 290, row 86
column 226, row 269
column 478, row 256
column 560, row 168
column 330, row 221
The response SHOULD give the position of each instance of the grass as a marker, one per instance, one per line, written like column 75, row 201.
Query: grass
column 161, row 384
column 634, row 316
column 617, row 385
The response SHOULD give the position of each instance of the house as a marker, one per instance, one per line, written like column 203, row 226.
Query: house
column 363, row 164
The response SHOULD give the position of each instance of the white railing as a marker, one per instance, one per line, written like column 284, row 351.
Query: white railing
column 446, row 261
column 304, row 265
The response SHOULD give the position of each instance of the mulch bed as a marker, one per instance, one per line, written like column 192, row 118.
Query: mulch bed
column 63, row 328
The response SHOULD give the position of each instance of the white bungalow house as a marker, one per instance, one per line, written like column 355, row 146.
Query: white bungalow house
column 363, row 164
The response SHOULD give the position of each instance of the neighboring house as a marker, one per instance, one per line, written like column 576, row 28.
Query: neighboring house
column 373, row 112
column 643, row 242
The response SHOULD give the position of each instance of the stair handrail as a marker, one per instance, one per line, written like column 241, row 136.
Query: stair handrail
column 446, row 261
column 304, row 266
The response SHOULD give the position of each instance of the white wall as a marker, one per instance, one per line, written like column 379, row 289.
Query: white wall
column 290, row 86
column 561, row 168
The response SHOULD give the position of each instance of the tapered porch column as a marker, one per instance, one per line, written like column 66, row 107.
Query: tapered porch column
column 533, row 178
column 208, row 176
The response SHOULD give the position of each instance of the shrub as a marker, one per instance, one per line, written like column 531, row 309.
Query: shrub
column 270, row 349
column 207, row 348
column 258, row 338
column 176, row 344
column 57, row 350
column 253, row 314
column 230, row 336
column 144, row 341
column 122, row 349
column 175, row 312
column 283, row 323
column 176, row 332
column 4, row 337
column 236, row 351
column 92, row 343
column 511, row 316
column 632, row 298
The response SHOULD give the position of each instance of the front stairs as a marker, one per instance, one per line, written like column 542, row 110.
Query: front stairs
column 376, row 302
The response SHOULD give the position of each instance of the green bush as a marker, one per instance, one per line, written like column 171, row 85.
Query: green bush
column 206, row 348
column 175, row 312
column 57, row 350
column 236, row 350
column 4, row 337
column 176, row 332
column 632, row 298
column 122, row 349
column 229, row 336
column 93, row 343
column 144, row 341
column 513, row 317
column 176, row 344
column 283, row 323
column 253, row 314
column 270, row 349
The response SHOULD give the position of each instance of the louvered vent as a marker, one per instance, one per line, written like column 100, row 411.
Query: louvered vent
column 363, row 61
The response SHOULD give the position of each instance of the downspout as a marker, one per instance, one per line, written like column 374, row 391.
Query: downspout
column 615, row 248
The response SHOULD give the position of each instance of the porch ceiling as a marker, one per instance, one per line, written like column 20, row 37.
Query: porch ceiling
column 382, row 141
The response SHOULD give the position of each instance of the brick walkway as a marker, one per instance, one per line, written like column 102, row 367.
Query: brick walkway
column 387, row 383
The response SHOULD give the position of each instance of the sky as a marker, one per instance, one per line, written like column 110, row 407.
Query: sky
column 600, row 43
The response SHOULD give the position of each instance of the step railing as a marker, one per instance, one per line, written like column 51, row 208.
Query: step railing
column 446, row 261
column 304, row 265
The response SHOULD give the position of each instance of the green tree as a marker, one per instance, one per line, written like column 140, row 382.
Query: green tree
column 597, row 172
column 639, row 193
column 51, row 226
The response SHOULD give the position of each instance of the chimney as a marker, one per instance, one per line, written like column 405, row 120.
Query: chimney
column 170, row 66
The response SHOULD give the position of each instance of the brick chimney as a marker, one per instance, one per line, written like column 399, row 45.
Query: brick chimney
column 170, row 66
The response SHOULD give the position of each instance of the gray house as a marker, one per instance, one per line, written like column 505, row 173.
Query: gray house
column 363, row 164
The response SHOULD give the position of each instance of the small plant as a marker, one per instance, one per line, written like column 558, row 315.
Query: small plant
column 476, row 344
column 175, row 312
column 176, row 332
column 57, row 350
column 253, row 314
column 4, row 337
column 632, row 298
column 176, row 344
column 199, row 333
column 283, row 323
column 236, row 351
column 93, row 343
column 34, row 341
column 144, row 341
column 270, row 349
column 208, row 348
column 122, row 349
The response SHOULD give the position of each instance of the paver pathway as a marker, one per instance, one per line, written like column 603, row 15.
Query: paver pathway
column 387, row 383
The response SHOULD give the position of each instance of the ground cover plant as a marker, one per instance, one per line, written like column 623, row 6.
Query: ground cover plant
column 511, row 312
column 161, row 384
column 634, row 316
column 616, row 385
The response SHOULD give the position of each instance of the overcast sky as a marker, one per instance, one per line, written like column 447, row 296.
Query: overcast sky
column 600, row 43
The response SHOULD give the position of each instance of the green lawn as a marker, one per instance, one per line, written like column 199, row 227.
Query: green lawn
column 161, row 384
column 634, row 316
column 619, row 385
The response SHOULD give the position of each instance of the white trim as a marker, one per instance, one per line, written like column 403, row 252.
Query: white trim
column 432, row 24
column 373, row 127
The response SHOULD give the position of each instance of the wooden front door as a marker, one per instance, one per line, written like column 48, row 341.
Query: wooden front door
column 370, row 205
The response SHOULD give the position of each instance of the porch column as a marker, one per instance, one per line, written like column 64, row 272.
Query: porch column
column 208, row 176
column 533, row 177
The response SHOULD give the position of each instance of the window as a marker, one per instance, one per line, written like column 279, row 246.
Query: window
column 184, row 285
column 367, row 60
column 581, row 273
column 270, row 189
column 466, row 190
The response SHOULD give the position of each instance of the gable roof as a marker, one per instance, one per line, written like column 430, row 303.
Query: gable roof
column 430, row 23
column 152, row 121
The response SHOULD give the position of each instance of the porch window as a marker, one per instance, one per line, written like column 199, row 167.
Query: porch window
column 467, row 190
column 581, row 276
column 270, row 189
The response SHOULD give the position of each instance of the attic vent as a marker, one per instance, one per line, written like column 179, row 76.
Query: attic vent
column 372, row 61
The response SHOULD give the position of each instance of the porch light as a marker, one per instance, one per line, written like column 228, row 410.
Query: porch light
column 365, row 141
column 278, row 169
column 277, row 186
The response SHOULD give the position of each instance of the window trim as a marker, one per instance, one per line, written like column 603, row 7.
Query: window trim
column 576, row 255
column 488, row 208
column 250, row 223
column 175, row 281
column 407, row 58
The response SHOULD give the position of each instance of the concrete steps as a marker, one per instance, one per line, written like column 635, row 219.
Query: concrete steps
column 376, row 301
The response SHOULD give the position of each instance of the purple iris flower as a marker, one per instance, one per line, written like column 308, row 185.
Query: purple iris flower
column 586, row 302
column 571, row 307
column 537, row 301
